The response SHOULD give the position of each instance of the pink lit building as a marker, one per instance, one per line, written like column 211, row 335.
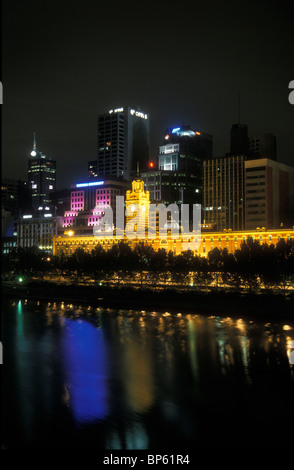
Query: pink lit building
column 88, row 202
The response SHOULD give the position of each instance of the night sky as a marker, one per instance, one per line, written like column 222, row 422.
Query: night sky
column 66, row 62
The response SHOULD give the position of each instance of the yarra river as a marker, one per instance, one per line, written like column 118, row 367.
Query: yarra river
column 79, row 376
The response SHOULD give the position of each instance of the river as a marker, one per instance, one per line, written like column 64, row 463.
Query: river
column 80, row 376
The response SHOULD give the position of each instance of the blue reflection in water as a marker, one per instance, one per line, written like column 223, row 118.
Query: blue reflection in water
column 85, row 369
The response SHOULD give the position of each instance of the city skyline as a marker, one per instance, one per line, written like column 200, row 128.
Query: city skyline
column 146, row 305
column 62, row 67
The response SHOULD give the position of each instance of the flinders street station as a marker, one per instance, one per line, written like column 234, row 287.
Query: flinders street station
column 137, row 203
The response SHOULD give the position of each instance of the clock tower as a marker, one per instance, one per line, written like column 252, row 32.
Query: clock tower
column 137, row 209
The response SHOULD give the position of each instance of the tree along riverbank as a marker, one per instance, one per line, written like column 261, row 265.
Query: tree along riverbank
column 253, row 267
column 263, row 305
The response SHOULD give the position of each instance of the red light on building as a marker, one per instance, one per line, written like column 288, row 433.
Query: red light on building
column 198, row 133
column 151, row 165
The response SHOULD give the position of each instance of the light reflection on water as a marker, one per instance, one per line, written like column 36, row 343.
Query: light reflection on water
column 120, row 379
column 85, row 369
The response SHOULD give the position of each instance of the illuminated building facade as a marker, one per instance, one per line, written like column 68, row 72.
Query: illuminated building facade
column 123, row 141
column 68, row 242
column 42, row 177
column 224, row 192
column 137, row 206
column 88, row 202
column 231, row 240
column 37, row 231
column 269, row 194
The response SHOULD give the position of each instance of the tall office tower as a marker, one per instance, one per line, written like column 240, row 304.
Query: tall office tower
column 239, row 139
column 123, row 141
column 178, row 177
column 42, row 177
column 223, row 192
column 269, row 194
column 263, row 146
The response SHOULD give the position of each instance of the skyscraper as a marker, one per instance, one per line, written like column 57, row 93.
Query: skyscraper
column 223, row 192
column 41, row 176
column 243, row 189
column 239, row 139
column 123, row 141
column 223, row 183
column 178, row 176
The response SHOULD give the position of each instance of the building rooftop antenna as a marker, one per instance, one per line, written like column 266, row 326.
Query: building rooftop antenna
column 35, row 143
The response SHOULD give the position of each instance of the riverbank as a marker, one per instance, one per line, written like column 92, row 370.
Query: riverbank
column 223, row 302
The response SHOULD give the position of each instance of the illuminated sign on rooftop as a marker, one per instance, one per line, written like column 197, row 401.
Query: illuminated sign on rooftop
column 179, row 131
column 133, row 112
column 117, row 110
column 93, row 183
